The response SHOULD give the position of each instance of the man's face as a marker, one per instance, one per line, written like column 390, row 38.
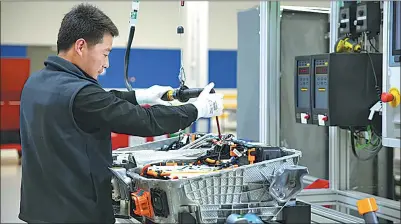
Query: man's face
column 94, row 59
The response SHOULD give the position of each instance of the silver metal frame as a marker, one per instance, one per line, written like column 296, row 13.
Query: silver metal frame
column 389, row 132
column 269, row 98
column 388, row 209
column 338, row 194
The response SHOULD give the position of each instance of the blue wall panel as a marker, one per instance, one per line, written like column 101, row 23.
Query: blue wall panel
column 13, row 51
column 154, row 67
column 148, row 67
column 223, row 68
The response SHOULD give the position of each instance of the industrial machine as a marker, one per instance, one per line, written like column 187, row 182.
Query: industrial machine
column 203, row 178
column 349, row 85
column 356, row 93
column 336, row 76
column 324, row 79
column 350, row 90
column 208, row 178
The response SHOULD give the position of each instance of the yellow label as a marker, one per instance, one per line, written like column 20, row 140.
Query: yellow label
column 322, row 89
column 304, row 89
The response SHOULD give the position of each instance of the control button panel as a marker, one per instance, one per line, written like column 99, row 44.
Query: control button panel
column 321, row 84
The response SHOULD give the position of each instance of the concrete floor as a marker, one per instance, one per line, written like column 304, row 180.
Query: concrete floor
column 10, row 187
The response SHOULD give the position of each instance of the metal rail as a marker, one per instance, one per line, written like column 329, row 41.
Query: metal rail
column 388, row 209
column 320, row 214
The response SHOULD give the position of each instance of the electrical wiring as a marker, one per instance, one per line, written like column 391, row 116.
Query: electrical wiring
column 371, row 148
column 371, row 45
column 377, row 88
column 374, row 144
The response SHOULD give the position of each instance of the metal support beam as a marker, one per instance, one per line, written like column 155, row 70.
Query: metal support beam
column 339, row 155
column 269, row 96
column 196, row 36
column 196, row 49
column 334, row 132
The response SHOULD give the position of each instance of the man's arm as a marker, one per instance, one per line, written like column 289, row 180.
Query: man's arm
column 128, row 96
column 94, row 108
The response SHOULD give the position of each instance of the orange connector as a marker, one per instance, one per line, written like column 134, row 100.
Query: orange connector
column 366, row 205
column 143, row 204
column 232, row 153
column 251, row 155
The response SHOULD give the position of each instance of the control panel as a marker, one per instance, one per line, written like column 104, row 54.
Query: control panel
column 303, row 88
column 347, row 18
column 368, row 18
column 345, row 86
column 321, row 90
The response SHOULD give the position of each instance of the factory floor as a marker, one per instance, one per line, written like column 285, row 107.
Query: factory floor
column 10, row 187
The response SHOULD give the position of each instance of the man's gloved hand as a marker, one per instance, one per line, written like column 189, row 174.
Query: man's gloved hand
column 152, row 95
column 209, row 104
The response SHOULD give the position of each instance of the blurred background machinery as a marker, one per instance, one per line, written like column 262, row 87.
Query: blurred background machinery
column 332, row 92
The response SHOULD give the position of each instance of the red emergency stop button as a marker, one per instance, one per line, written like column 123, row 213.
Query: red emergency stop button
column 387, row 97
column 325, row 118
column 392, row 97
column 307, row 116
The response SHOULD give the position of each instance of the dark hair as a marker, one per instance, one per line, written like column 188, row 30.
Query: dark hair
column 87, row 22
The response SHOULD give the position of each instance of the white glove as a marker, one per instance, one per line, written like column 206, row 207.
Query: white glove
column 209, row 104
column 152, row 95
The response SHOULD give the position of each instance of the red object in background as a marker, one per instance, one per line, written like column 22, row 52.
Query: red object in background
column 119, row 141
column 319, row 184
column 11, row 146
column 9, row 113
column 13, row 74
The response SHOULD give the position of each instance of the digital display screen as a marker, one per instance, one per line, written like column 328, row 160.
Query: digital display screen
column 396, row 27
column 303, row 71
column 321, row 70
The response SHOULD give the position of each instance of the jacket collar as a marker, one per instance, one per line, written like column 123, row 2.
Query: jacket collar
column 60, row 64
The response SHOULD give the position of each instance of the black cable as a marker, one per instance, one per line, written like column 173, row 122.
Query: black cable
column 370, row 42
column 376, row 132
column 126, row 59
column 377, row 88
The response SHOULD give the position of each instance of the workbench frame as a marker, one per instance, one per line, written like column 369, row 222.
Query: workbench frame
column 339, row 154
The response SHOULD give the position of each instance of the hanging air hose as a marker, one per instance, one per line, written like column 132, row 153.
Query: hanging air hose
column 133, row 20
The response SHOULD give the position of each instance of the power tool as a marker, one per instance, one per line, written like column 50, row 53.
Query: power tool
column 183, row 94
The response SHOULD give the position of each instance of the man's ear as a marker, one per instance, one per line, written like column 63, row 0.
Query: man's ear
column 79, row 46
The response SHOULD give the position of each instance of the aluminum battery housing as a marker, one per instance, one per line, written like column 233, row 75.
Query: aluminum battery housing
column 262, row 188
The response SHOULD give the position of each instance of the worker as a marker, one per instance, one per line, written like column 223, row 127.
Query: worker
column 67, row 118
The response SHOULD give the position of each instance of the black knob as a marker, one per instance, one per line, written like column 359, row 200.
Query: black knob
column 359, row 22
column 361, row 12
column 180, row 30
column 344, row 15
column 343, row 25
